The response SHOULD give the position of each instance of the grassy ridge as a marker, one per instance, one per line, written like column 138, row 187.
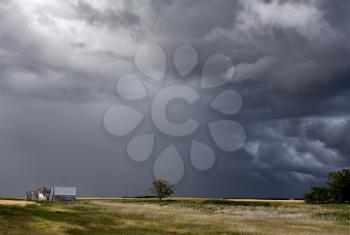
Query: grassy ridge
column 175, row 216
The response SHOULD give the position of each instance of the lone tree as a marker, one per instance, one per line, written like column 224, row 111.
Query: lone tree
column 337, row 189
column 161, row 188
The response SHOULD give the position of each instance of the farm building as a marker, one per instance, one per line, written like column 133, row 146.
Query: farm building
column 64, row 194
column 41, row 194
column 53, row 194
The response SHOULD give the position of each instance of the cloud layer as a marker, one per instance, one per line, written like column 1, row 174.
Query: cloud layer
column 59, row 61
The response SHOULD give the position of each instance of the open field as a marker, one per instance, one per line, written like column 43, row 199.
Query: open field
column 173, row 216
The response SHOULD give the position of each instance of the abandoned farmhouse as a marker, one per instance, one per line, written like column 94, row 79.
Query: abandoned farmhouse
column 56, row 193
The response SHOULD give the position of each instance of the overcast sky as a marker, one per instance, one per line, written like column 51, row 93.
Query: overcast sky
column 60, row 61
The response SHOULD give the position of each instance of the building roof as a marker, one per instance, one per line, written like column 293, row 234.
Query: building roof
column 65, row 191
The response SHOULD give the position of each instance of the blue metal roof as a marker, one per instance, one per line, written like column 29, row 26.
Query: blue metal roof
column 65, row 191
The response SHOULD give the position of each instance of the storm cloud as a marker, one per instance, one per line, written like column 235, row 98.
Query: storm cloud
column 60, row 60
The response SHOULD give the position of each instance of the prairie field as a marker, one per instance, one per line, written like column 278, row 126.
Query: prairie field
column 173, row 216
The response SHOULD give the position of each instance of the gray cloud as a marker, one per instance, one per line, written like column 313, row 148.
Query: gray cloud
column 305, row 145
column 59, row 62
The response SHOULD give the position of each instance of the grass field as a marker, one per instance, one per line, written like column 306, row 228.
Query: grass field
column 173, row 216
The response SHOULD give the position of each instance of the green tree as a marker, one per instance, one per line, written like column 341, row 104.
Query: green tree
column 161, row 188
column 337, row 189
column 339, row 185
column 317, row 195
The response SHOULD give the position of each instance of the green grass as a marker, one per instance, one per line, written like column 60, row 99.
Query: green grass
column 175, row 216
column 39, row 217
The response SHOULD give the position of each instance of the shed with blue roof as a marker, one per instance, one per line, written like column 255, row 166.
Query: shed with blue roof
column 64, row 193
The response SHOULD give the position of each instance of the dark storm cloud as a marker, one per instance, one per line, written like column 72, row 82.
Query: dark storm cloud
column 60, row 60
column 108, row 17
column 301, row 93
column 309, row 145
column 42, row 55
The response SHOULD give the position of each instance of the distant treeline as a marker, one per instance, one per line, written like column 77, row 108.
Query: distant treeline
column 146, row 196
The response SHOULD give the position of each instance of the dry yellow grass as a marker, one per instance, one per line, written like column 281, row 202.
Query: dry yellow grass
column 265, row 200
column 223, row 219
column 192, row 199
column 15, row 202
